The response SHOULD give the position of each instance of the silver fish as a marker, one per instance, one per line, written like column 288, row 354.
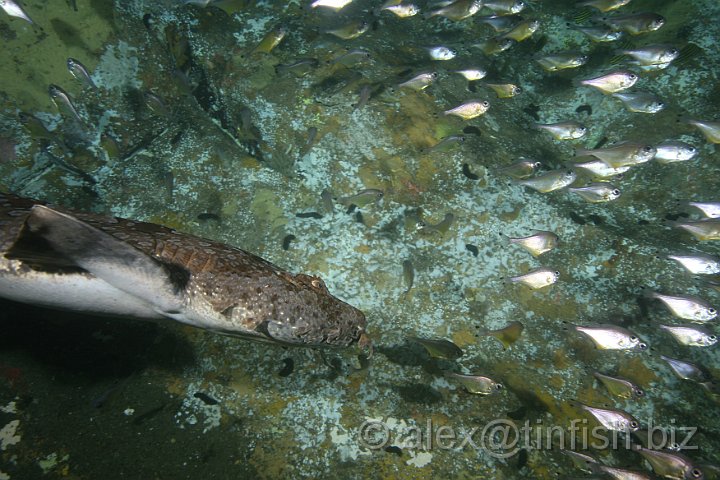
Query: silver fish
column 619, row 386
column 522, row 168
column 538, row 278
column 614, row 420
column 505, row 7
column 420, row 81
column 600, row 34
column 538, row 243
column 500, row 23
column 635, row 23
column 62, row 101
column 401, row 10
column 79, row 71
column 113, row 266
column 691, row 336
column 656, row 54
column 686, row 307
column 612, row 82
column 612, row 337
column 564, row 130
column 363, row 197
column 600, row 169
column 709, row 209
column 621, row 154
column 687, row 370
column 582, row 460
column 640, row 102
column 698, row 264
column 597, row 192
column 561, row 61
column 353, row 57
column 495, row 45
column 670, row 465
column 702, row 230
column 674, row 151
column 350, row 30
column 472, row 74
column 470, row 109
column 447, row 143
column 603, row 5
column 441, row 52
column 621, row 473
column 14, row 9
column 550, row 181
column 523, row 30
column 331, row 4
column 711, row 130
column 477, row 384
column 457, row 10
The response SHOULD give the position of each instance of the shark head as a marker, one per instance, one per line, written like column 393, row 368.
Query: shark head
column 112, row 266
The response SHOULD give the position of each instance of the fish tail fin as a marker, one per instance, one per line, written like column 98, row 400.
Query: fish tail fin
column 579, row 82
column 648, row 293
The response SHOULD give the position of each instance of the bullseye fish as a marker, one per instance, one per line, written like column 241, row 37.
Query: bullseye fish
column 88, row 263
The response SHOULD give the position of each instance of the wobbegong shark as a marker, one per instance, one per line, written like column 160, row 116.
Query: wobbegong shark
column 58, row 258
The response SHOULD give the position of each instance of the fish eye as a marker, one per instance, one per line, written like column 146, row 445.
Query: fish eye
column 583, row 58
column 569, row 173
column 634, row 424
column 642, row 346
column 537, row 165
column 648, row 148
column 434, row 74
column 557, row 274
column 660, row 104
column 498, row 386
column 712, row 311
column 461, row 138
column 638, row 392
column 517, row 90
column 632, row 76
column 453, row 51
column 673, row 51
column 633, row 338
column 485, row 103
column 616, row 192
column 696, row 473
column 316, row 282
column 712, row 338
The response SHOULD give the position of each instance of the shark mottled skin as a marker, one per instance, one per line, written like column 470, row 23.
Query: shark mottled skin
column 89, row 263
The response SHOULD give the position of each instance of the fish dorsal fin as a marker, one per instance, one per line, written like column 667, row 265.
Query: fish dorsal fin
column 109, row 259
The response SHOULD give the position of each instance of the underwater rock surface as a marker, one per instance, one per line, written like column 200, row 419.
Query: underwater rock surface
column 247, row 123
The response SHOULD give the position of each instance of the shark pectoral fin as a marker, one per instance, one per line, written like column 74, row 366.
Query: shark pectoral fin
column 109, row 259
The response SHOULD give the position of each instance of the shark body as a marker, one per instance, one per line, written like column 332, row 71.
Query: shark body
column 94, row 264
